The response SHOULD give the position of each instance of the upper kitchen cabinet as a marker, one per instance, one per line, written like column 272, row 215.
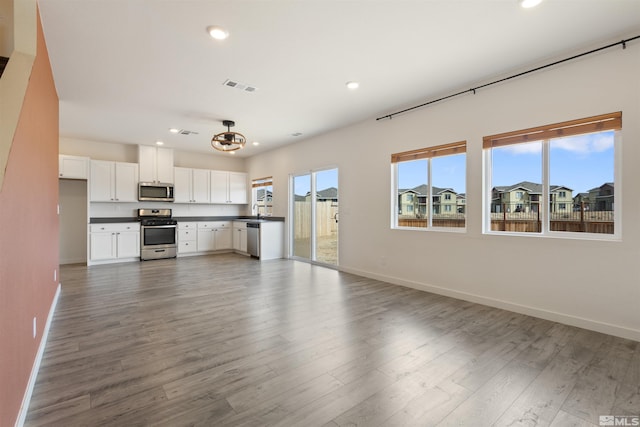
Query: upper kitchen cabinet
column 73, row 167
column 228, row 187
column 113, row 181
column 191, row 185
column 156, row 164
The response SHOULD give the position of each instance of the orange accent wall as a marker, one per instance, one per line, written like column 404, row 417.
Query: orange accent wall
column 28, row 234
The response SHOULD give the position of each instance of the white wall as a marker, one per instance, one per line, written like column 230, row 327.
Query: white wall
column 588, row 283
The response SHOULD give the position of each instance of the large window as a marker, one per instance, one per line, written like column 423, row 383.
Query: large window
column 429, row 187
column 554, row 179
column 262, row 196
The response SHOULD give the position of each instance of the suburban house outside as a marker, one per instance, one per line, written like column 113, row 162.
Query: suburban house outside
column 525, row 197
column 412, row 203
column 602, row 198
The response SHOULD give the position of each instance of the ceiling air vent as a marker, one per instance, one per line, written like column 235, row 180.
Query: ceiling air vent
column 241, row 86
column 187, row 132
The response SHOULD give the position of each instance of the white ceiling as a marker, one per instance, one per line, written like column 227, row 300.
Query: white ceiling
column 128, row 70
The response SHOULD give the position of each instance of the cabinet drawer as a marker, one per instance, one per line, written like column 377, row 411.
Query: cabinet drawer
column 111, row 227
column 239, row 224
column 186, row 247
column 187, row 225
column 187, row 235
column 206, row 225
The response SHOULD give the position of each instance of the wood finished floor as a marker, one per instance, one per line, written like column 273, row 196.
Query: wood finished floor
column 228, row 341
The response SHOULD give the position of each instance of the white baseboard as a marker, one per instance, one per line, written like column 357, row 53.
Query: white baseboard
column 22, row 415
column 581, row 322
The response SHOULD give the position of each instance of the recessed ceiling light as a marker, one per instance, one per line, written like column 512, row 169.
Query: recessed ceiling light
column 529, row 3
column 159, row 143
column 353, row 85
column 174, row 130
column 256, row 143
column 218, row 33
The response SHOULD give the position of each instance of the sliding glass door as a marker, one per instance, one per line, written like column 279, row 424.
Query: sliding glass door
column 315, row 216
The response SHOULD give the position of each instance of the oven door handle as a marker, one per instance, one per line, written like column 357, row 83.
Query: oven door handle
column 158, row 226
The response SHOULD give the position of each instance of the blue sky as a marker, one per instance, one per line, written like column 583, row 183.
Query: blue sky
column 324, row 179
column 581, row 162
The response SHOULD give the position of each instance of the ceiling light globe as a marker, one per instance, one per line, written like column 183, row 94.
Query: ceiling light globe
column 218, row 33
column 353, row 85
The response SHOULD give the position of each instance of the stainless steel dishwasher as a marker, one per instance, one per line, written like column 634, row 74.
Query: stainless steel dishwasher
column 253, row 239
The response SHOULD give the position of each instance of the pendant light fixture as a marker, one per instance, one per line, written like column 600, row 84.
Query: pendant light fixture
column 228, row 141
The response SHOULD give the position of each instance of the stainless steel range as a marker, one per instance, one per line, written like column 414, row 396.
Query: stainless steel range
column 157, row 234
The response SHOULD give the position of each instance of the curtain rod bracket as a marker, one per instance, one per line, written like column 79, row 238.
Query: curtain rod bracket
column 624, row 44
column 473, row 90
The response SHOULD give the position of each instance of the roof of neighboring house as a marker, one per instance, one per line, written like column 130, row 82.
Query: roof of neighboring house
column 528, row 186
column 610, row 184
column 582, row 195
column 299, row 198
column 422, row 190
column 327, row 193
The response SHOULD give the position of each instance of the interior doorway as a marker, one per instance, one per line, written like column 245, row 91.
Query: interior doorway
column 72, row 199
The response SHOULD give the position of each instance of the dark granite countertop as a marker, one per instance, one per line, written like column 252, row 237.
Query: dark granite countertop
column 188, row 218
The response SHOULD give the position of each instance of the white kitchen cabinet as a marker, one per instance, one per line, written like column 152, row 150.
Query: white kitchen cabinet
column 73, row 167
column 187, row 237
column 114, row 242
column 206, row 237
column 213, row 236
column 223, row 238
column 191, row 185
column 228, row 187
column 113, row 181
column 240, row 236
column 156, row 164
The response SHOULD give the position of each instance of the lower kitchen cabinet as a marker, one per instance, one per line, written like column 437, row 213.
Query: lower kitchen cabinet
column 240, row 236
column 187, row 237
column 114, row 242
column 204, row 236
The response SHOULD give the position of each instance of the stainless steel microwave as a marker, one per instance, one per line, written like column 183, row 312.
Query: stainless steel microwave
column 155, row 192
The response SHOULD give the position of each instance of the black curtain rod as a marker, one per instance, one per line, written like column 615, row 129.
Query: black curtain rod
column 473, row 90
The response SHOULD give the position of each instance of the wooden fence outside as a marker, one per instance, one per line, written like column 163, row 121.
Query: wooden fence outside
column 518, row 225
column 325, row 219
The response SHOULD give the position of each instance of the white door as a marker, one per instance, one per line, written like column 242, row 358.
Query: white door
column 219, row 187
column 126, row 182
column 238, row 187
column 102, row 246
column 200, row 186
column 223, row 238
column 101, row 185
column 206, row 240
column 128, row 244
column 182, row 185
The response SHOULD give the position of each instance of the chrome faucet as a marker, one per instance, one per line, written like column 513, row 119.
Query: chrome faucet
column 256, row 210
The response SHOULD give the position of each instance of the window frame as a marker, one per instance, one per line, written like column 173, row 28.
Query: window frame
column 427, row 153
column 545, row 134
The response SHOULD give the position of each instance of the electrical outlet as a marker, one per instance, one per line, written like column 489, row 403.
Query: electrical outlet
column 34, row 327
